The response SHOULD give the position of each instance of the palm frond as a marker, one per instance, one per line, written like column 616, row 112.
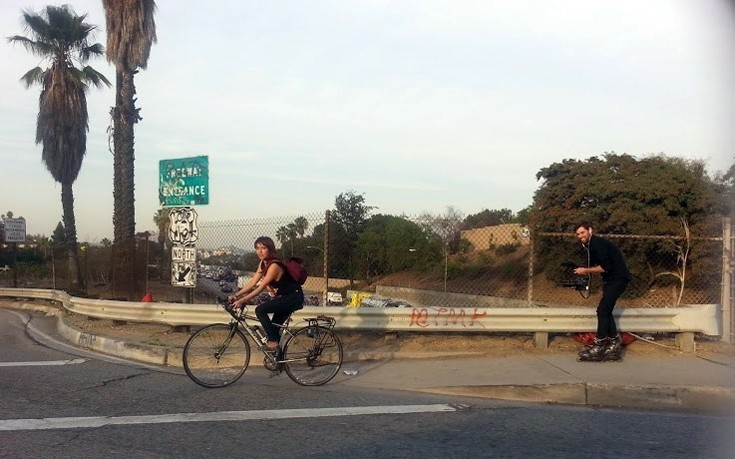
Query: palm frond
column 96, row 78
column 35, row 23
column 37, row 48
column 33, row 76
column 88, row 52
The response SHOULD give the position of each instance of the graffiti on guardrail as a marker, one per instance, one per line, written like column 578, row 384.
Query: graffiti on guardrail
column 440, row 317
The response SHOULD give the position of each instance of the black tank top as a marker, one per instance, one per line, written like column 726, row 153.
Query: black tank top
column 285, row 284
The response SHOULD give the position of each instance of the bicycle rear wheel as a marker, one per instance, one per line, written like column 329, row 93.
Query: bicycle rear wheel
column 312, row 356
column 216, row 355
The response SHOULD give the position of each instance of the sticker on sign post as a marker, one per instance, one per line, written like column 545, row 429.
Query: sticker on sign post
column 188, row 254
column 183, row 274
column 183, row 266
column 183, row 229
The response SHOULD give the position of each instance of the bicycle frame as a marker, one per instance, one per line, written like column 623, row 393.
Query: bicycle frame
column 240, row 319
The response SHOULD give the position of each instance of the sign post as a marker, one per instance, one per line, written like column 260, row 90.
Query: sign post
column 183, row 232
column 183, row 183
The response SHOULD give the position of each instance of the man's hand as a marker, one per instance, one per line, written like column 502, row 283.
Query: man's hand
column 581, row 271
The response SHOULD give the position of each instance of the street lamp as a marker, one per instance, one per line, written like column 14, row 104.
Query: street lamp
column 326, row 276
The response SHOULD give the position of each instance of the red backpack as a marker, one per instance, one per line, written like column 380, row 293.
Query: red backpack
column 296, row 269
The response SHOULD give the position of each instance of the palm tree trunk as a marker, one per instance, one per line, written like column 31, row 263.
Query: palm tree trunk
column 76, row 281
column 125, row 116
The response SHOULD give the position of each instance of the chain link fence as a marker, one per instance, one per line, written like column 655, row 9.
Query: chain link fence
column 405, row 261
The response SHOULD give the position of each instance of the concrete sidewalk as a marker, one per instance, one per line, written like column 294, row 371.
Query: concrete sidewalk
column 701, row 381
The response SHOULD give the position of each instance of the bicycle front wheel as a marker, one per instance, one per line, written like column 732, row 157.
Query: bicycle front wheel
column 312, row 356
column 216, row 355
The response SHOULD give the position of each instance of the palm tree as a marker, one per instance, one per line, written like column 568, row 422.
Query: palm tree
column 131, row 31
column 61, row 37
column 302, row 224
column 282, row 235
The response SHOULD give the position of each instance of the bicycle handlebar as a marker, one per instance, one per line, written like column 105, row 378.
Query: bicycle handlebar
column 227, row 306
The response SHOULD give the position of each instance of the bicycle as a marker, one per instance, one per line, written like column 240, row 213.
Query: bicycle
column 217, row 355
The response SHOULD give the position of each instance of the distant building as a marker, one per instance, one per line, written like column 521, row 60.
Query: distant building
column 496, row 235
column 221, row 251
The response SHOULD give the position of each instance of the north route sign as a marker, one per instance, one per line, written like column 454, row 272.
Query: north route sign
column 183, row 266
column 183, row 182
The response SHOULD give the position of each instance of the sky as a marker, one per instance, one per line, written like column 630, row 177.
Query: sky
column 416, row 104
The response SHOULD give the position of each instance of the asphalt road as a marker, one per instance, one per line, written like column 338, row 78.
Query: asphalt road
column 57, row 402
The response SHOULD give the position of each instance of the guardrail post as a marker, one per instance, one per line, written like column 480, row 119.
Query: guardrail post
column 541, row 339
column 685, row 341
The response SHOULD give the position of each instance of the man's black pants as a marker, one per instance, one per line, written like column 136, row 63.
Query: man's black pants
column 611, row 291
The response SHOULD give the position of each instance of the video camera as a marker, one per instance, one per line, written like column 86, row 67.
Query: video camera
column 577, row 283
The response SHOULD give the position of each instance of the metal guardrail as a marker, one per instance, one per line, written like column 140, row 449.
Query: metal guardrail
column 687, row 320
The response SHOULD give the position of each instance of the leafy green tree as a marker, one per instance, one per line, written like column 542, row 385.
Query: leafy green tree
column 392, row 244
column 524, row 215
column 61, row 37
column 131, row 31
column 488, row 218
column 446, row 227
column 58, row 237
column 620, row 194
column 350, row 213
column 626, row 195
column 726, row 185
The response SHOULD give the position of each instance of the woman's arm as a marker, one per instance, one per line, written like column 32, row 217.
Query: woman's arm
column 249, row 285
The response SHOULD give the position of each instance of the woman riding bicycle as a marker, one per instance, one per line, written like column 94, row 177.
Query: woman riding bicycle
column 286, row 293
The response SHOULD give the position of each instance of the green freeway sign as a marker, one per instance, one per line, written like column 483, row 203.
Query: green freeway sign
column 183, row 182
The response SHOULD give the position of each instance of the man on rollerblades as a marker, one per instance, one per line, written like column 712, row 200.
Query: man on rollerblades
column 604, row 258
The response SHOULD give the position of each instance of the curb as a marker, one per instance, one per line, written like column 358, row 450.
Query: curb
column 116, row 347
column 710, row 399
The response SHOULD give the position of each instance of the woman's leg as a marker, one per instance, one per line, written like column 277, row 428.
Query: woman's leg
column 281, row 307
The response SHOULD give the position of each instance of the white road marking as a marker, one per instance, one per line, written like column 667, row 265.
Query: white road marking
column 41, row 363
column 100, row 421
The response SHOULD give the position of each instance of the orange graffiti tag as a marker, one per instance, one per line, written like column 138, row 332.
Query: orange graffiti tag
column 419, row 317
